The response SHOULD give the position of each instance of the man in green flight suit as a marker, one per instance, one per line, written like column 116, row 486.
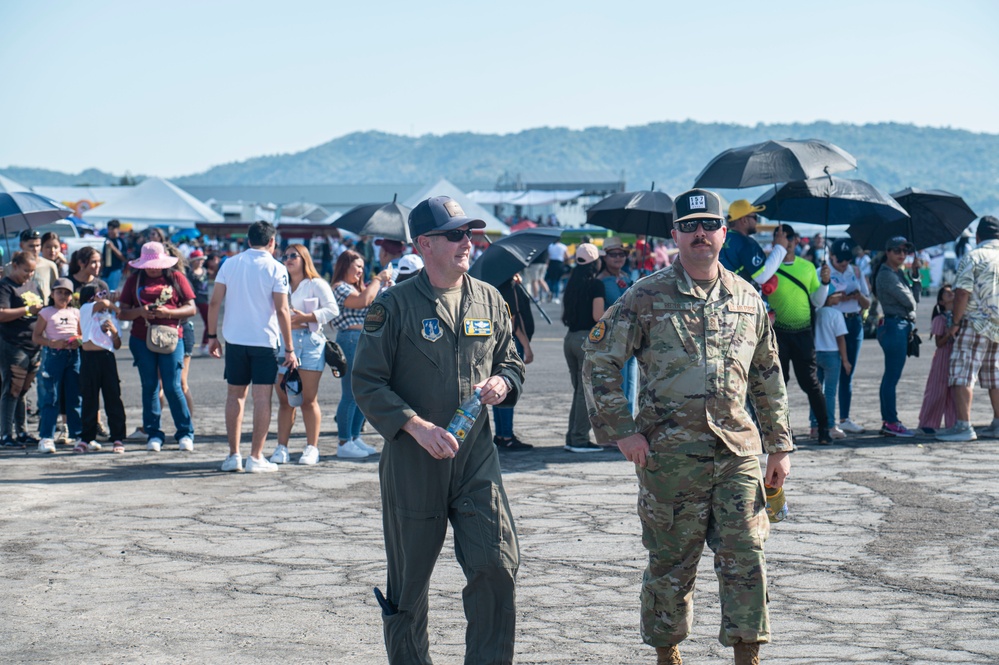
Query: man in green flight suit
column 704, row 344
column 427, row 344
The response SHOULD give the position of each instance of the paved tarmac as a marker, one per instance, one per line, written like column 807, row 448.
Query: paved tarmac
column 889, row 555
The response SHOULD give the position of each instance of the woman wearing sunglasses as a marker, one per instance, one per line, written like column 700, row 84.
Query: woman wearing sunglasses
column 353, row 297
column 897, row 289
column 582, row 307
column 312, row 307
column 616, row 281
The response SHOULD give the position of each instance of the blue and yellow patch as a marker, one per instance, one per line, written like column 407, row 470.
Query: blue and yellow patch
column 432, row 330
column 478, row 327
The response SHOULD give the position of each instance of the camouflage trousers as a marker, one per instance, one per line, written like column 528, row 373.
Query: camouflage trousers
column 685, row 501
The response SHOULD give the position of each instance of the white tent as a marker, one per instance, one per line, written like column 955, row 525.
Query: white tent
column 8, row 185
column 445, row 187
column 155, row 201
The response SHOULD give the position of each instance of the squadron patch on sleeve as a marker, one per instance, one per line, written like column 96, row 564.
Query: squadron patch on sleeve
column 598, row 332
column 375, row 319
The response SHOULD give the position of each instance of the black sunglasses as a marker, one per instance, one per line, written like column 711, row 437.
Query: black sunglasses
column 690, row 225
column 617, row 255
column 455, row 235
column 292, row 255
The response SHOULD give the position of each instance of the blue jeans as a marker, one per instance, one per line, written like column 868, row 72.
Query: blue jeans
column 113, row 279
column 854, row 340
column 828, row 368
column 349, row 418
column 630, row 385
column 152, row 368
column 60, row 368
column 503, row 415
column 893, row 336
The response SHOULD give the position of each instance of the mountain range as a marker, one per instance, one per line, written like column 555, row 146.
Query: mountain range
column 890, row 156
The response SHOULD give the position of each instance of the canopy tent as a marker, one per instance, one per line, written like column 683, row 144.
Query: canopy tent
column 530, row 197
column 7, row 186
column 155, row 201
column 445, row 187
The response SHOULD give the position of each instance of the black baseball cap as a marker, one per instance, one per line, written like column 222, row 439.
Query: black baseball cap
column 842, row 249
column 439, row 213
column 900, row 242
column 30, row 234
column 697, row 204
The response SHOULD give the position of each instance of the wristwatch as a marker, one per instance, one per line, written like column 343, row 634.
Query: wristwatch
column 508, row 382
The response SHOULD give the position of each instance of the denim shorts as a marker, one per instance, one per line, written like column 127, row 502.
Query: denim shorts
column 310, row 348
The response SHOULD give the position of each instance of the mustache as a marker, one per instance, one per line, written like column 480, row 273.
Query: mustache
column 702, row 241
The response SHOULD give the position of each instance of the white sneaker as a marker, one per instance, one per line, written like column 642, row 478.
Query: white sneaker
column 233, row 463
column 62, row 436
column 351, row 450
column 359, row 442
column 309, row 456
column 281, row 455
column 137, row 435
column 186, row 444
column 990, row 432
column 262, row 465
column 93, row 447
column 836, row 433
column 958, row 434
column 851, row 427
column 154, row 444
column 46, row 446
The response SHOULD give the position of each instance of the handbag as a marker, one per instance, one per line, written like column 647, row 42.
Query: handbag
column 335, row 358
column 161, row 338
column 912, row 348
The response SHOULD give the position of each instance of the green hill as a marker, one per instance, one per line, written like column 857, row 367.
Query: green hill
column 891, row 156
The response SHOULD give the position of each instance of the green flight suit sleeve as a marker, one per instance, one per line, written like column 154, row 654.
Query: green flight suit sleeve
column 372, row 371
column 767, row 390
column 611, row 342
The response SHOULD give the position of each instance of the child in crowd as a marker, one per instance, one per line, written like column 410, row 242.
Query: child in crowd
column 58, row 329
column 98, row 368
column 938, row 398
column 830, row 357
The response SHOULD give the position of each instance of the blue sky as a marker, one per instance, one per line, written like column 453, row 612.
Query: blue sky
column 173, row 88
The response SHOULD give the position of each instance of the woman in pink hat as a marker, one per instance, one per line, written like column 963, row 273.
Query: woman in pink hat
column 157, row 294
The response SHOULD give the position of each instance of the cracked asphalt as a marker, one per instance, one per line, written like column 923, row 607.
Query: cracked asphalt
column 890, row 554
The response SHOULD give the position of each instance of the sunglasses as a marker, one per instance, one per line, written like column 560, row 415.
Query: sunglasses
column 690, row 225
column 898, row 250
column 290, row 256
column 454, row 236
column 617, row 255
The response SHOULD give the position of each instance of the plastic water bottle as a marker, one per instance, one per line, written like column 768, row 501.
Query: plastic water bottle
column 465, row 417
column 776, row 504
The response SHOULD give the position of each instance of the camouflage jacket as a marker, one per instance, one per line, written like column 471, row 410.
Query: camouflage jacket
column 700, row 355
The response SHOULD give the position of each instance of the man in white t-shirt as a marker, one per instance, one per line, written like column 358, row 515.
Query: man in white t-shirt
column 557, row 251
column 254, row 287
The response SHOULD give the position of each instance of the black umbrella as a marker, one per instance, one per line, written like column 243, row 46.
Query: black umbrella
column 774, row 161
column 830, row 200
column 509, row 255
column 22, row 210
column 384, row 220
column 647, row 212
column 935, row 217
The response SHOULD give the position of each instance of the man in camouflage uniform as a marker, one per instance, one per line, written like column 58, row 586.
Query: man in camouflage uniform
column 428, row 343
column 704, row 344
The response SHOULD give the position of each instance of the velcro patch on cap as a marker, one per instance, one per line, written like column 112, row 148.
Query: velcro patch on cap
column 698, row 202
column 454, row 209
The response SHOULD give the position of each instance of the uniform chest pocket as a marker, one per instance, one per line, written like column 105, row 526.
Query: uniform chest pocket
column 423, row 355
column 742, row 340
column 675, row 333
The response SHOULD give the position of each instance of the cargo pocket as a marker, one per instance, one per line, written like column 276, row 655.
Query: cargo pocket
column 656, row 517
column 480, row 518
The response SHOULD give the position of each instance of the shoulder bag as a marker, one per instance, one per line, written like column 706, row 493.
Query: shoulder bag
column 160, row 338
